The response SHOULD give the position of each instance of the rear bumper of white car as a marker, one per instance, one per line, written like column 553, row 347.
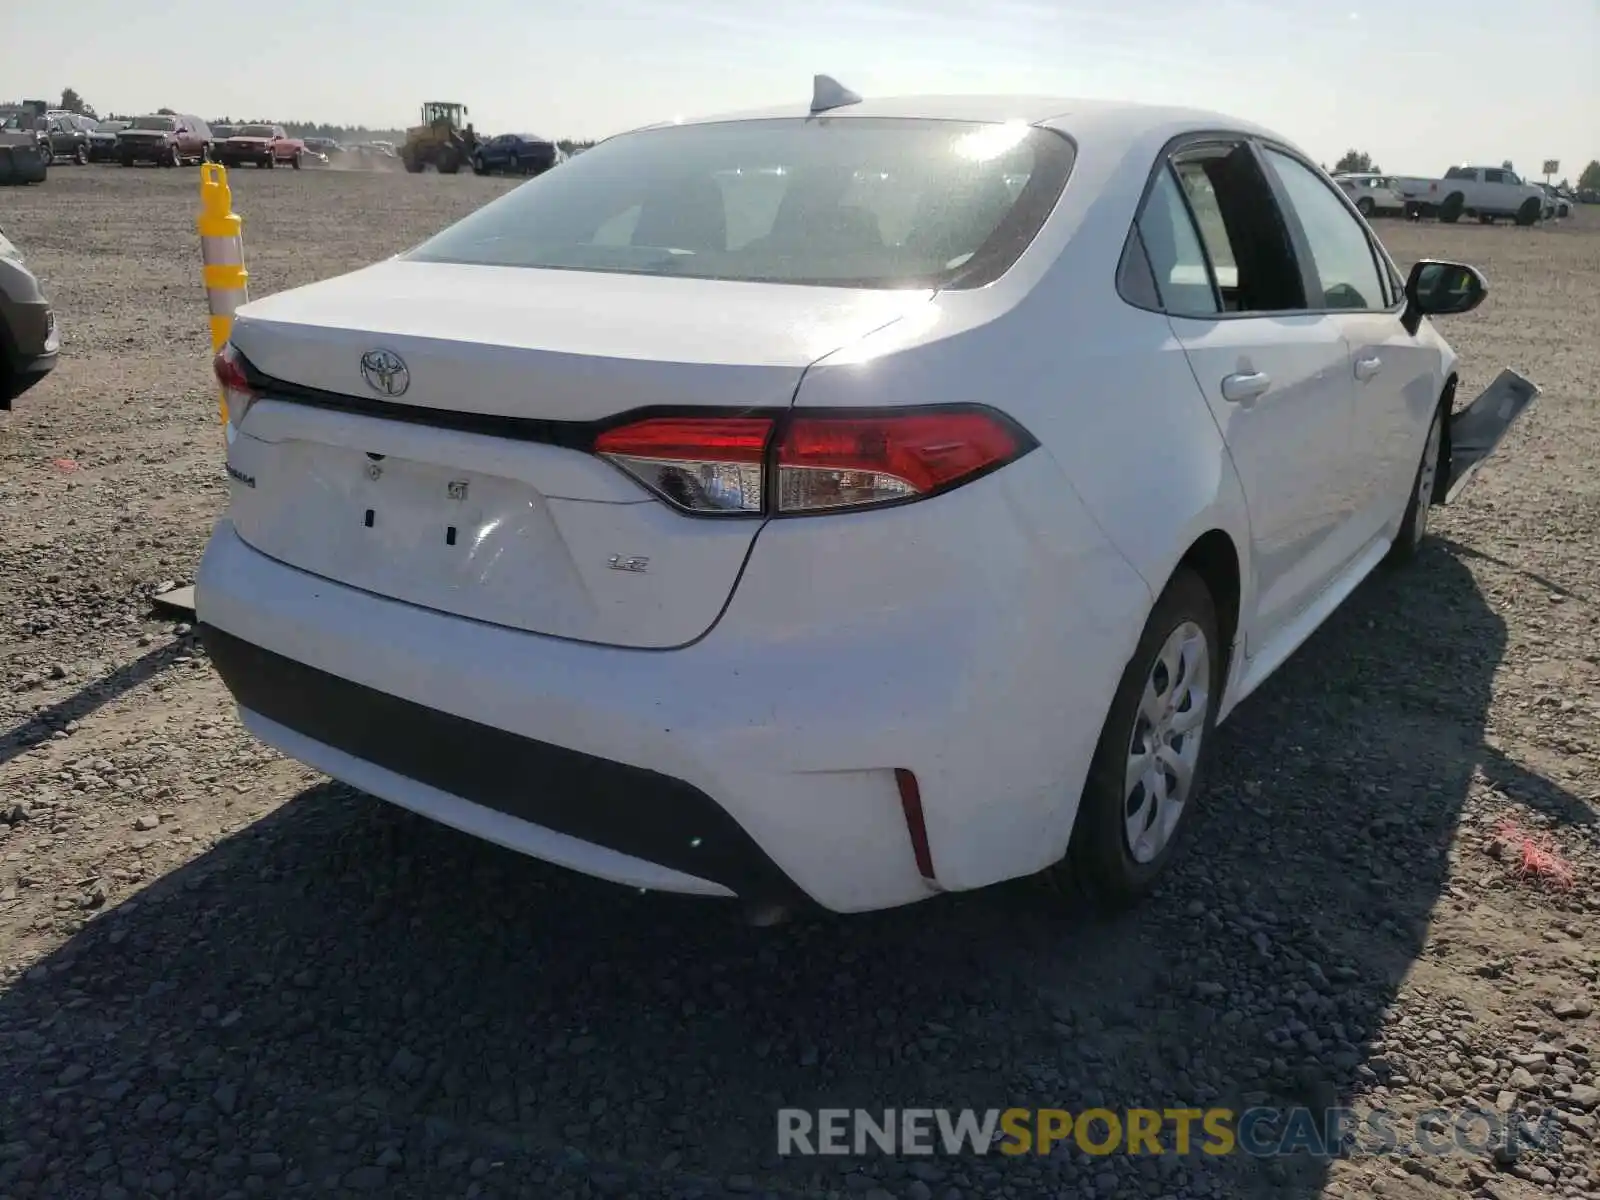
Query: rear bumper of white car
column 759, row 761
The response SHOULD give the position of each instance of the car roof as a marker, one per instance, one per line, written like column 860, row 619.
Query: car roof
column 1108, row 119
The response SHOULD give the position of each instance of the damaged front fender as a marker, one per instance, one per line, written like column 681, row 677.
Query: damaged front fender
column 1476, row 431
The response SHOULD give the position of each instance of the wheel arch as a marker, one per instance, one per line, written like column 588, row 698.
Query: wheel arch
column 1215, row 559
column 1447, row 400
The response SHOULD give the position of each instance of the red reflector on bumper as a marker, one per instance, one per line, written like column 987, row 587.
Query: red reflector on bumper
column 911, row 806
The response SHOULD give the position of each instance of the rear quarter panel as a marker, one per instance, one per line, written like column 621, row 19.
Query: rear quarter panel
column 1104, row 386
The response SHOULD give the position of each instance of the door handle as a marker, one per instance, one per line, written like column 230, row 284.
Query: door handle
column 1244, row 388
column 1366, row 368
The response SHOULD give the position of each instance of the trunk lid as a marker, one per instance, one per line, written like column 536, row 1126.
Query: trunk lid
column 483, row 522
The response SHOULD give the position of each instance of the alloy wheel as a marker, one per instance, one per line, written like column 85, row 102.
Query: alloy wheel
column 1165, row 747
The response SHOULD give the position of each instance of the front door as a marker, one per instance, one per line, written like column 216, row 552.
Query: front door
column 1396, row 388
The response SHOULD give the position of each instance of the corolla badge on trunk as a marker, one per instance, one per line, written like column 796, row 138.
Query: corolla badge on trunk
column 385, row 372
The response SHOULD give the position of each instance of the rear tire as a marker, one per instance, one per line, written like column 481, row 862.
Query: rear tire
column 1162, row 714
column 1424, row 487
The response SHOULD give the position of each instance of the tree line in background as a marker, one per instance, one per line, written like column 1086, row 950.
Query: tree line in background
column 1352, row 161
column 71, row 101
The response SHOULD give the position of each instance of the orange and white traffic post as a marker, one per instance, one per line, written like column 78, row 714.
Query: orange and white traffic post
column 222, row 251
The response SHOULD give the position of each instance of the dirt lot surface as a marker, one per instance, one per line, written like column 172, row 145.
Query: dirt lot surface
column 222, row 976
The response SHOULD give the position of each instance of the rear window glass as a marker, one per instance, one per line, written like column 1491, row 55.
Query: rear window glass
column 845, row 202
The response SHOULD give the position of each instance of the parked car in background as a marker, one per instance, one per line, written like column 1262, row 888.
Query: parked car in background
column 23, row 157
column 222, row 132
column 1559, row 206
column 29, row 339
column 327, row 148
column 68, row 136
column 166, row 140
column 28, row 128
column 373, row 154
column 667, row 523
column 516, row 154
column 1488, row 193
column 1374, row 195
column 262, row 145
column 103, row 140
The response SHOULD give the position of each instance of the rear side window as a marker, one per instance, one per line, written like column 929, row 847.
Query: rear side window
column 844, row 202
column 1247, row 244
column 1183, row 277
column 1214, row 237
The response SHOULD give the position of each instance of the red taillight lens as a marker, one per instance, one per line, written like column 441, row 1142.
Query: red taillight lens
column 822, row 462
column 237, row 394
column 700, row 464
column 843, row 462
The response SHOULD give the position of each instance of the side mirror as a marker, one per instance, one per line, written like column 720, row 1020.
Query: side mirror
column 1441, row 289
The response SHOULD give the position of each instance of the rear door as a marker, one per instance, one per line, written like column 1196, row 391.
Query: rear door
column 1276, row 375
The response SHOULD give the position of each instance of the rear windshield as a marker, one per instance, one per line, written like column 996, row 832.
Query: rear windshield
column 162, row 123
column 843, row 202
column 255, row 131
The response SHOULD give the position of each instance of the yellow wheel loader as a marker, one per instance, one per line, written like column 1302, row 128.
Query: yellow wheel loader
column 440, row 142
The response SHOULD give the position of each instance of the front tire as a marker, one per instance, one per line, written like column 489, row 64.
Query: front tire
column 295, row 161
column 1454, row 205
column 1424, row 486
column 81, row 156
column 1365, row 207
column 1149, row 765
column 1530, row 212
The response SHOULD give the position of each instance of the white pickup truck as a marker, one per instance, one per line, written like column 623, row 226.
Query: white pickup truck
column 1488, row 193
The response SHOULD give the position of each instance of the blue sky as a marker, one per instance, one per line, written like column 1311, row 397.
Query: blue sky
column 1419, row 84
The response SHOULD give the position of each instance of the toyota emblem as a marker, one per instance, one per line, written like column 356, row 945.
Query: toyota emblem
column 385, row 372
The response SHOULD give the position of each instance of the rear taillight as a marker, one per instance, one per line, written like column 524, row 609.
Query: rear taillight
column 702, row 465
column 812, row 462
column 237, row 394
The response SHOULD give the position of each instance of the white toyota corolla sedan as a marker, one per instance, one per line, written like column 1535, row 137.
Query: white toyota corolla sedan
column 839, row 504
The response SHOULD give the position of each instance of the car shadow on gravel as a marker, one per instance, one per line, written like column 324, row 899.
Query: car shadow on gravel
column 45, row 723
column 342, row 998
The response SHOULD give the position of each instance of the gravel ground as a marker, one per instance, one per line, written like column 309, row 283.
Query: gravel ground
column 222, row 976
